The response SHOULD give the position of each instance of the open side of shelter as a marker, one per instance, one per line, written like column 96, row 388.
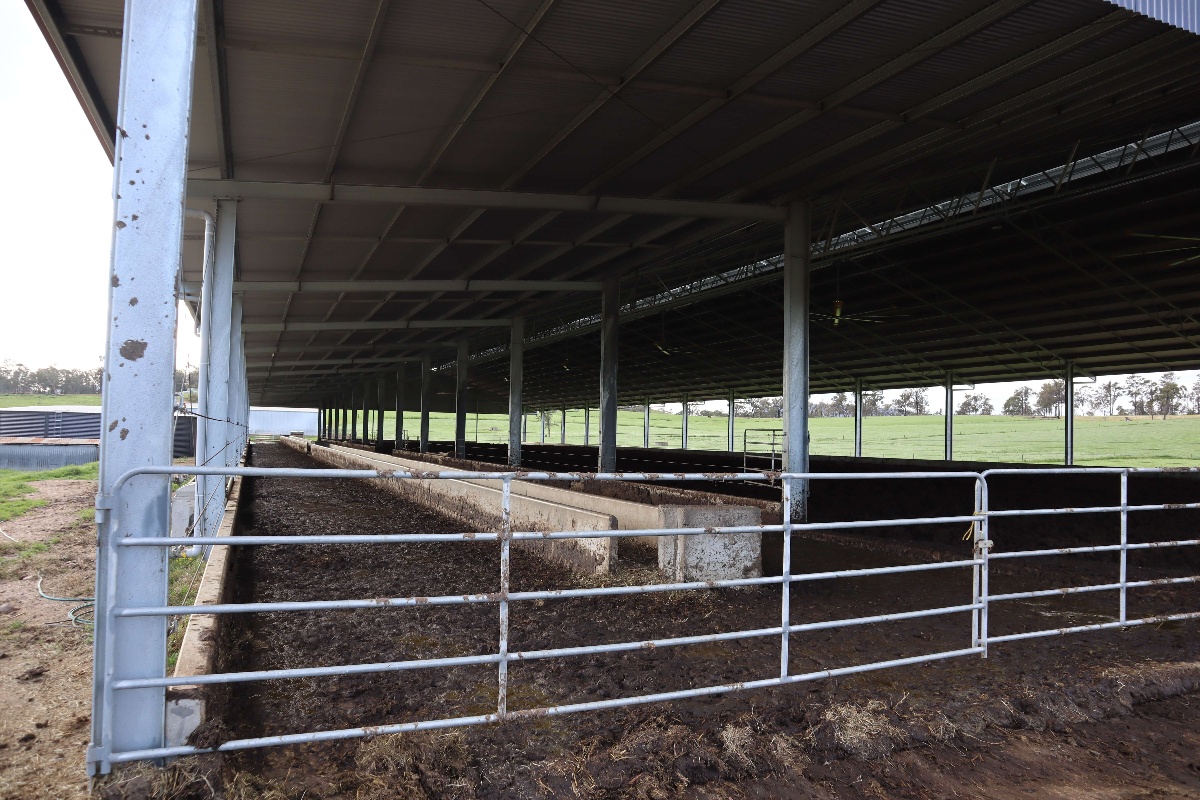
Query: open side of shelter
column 374, row 205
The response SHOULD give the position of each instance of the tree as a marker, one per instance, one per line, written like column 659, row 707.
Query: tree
column 1167, row 394
column 913, row 401
column 975, row 404
column 1050, row 398
column 761, row 408
column 873, row 405
column 1105, row 397
column 1139, row 390
column 1020, row 403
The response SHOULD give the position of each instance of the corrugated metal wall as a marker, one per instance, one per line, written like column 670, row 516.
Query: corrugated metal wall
column 1180, row 13
column 50, row 423
column 46, row 456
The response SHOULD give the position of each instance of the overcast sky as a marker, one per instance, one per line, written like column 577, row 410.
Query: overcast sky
column 56, row 209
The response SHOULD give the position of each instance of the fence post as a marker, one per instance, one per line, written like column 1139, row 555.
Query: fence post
column 983, row 546
column 1124, row 537
column 786, row 583
column 505, row 542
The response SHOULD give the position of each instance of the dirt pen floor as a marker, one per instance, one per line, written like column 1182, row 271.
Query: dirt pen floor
column 1111, row 714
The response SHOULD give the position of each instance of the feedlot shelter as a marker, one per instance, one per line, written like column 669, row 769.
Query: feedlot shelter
column 390, row 202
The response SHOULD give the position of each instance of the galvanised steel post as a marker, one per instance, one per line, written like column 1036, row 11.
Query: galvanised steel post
column 684, row 434
column 949, row 436
column 729, row 433
column 796, row 352
column 202, row 481
column 516, row 381
column 381, row 396
column 542, row 419
column 399, row 407
column 353, row 416
column 460, row 399
column 587, row 426
column 149, row 176
column 562, row 430
column 858, row 417
column 239, row 412
column 646, row 425
column 366, row 408
column 1069, row 413
column 218, row 437
column 610, row 306
column 426, row 400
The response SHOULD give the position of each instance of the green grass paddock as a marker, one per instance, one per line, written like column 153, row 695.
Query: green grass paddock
column 1099, row 441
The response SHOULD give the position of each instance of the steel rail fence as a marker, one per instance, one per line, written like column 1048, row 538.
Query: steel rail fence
column 114, row 539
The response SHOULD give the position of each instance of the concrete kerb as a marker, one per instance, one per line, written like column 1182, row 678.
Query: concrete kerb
column 186, row 705
column 478, row 506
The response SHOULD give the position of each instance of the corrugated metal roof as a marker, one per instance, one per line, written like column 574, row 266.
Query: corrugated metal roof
column 1180, row 13
column 952, row 85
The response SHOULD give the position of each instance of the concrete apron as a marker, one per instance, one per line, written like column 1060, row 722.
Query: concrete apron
column 538, row 507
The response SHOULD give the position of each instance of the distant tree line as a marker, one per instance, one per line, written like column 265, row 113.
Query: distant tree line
column 20, row 379
column 1163, row 397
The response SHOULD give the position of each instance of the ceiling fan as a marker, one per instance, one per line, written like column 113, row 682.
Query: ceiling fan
column 839, row 314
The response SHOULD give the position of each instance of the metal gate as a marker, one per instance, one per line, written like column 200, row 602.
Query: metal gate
column 119, row 537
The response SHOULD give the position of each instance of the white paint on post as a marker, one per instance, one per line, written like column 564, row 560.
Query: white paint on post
column 609, row 309
column 154, row 104
column 796, row 351
column 516, row 381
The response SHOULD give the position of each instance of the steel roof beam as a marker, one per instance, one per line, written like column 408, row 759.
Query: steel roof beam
column 372, row 325
column 418, row 286
column 216, row 78
column 205, row 188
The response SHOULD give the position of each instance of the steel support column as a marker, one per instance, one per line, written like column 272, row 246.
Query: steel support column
column 949, row 436
column 366, row 409
column 858, row 417
column 239, row 406
column 684, row 432
column 426, row 401
column 562, row 428
column 646, row 425
column 154, row 104
column 1069, row 413
column 353, row 416
column 796, row 351
column 206, row 286
column 399, row 408
column 731, row 421
column 587, row 426
column 381, row 396
column 460, row 399
column 217, row 389
column 516, row 386
column 609, row 309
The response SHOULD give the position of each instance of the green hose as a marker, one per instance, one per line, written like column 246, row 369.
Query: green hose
column 79, row 615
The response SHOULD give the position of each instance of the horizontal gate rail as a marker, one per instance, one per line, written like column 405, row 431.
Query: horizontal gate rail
column 116, row 539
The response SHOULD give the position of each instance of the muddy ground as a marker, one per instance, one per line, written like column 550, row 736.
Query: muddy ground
column 1098, row 715
column 45, row 660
